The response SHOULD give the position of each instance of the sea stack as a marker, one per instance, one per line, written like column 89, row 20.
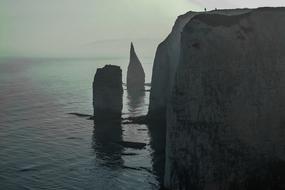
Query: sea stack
column 107, row 93
column 226, row 114
column 135, row 74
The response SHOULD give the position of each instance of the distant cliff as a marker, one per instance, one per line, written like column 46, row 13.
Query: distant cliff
column 166, row 61
column 135, row 74
column 107, row 93
column 226, row 112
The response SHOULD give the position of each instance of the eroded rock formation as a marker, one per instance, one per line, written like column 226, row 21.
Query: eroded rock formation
column 135, row 74
column 107, row 93
column 225, row 117
column 164, row 67
column 166, row 61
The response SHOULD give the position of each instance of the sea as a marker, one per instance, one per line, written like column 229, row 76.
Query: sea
column 44, row 146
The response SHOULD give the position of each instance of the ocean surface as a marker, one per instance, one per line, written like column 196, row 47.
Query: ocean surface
column 42, row 146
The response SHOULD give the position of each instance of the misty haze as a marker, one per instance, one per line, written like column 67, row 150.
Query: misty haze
column 151, row 94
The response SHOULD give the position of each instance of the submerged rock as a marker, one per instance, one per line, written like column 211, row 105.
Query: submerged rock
column 135, row 74
column 225, row 117
column 134, row 145
column 135, row 120
column 107, row 93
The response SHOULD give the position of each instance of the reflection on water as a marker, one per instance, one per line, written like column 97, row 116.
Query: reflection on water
column 106, row 136
column 136, row 102
column 157, row 132
column 44, row 147
column 111, row 153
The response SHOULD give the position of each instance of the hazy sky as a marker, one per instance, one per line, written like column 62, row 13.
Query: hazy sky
column 95, row 27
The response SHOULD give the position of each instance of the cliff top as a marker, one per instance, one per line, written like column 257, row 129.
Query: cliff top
column 109, row 67
column 217, row 19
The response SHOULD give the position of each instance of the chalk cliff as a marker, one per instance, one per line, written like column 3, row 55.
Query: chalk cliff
column 164, row 67
column 226, row 112
column 135, row 74
column 107, row 93
column 166, row 61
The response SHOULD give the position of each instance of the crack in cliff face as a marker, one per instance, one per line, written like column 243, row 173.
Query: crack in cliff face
column 225, row 113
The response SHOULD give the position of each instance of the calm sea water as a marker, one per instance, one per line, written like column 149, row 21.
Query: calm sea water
column 44, row 147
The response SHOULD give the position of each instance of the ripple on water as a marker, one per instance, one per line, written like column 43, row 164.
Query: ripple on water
column 43, row 147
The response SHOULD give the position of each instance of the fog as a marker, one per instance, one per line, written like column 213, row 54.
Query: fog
column 92, row 28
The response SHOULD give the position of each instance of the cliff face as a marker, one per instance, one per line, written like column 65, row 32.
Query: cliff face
column 226, row 115
column 135, row 74
column 107, row 93
column 166, row 61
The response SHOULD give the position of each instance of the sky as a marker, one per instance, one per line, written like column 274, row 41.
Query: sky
column 91, row 28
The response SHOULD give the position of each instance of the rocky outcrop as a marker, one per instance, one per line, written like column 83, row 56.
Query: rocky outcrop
column 225, row 117
column 107, row 93
column 166, row 61
column 135, row 74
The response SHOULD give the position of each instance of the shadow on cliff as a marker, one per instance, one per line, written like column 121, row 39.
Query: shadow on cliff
column 270, row 175
column 157, row 131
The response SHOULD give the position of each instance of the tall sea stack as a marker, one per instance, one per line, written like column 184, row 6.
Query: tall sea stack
column 225, row 117
column 135, row 74
column 107, row 93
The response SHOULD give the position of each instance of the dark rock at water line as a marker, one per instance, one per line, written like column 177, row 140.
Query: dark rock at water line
column 107, row 93
column 134, row 145
column 82, row 115
column 135, row 120
column 129, row 154
column 135, row 74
